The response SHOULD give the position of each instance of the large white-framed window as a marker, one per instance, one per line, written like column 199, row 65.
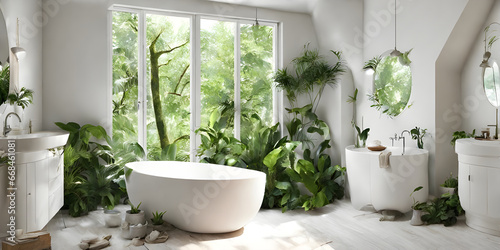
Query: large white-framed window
column 172, row 72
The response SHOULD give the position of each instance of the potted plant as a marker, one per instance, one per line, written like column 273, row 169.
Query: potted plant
column 362, row 136
column 416, row 219
column 449, row 185
column 135, row 216
column 135, row 225
column 158, row 220
column 418, row 135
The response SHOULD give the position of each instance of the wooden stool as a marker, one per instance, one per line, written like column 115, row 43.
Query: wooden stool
column 42, row 242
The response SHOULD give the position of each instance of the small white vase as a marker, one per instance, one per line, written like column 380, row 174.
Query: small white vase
column 416, row 218
column 112, row 218
column 135, row 219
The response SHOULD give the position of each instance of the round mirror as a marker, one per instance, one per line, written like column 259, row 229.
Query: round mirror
column 491, row 83
column 392, row 84
column 4, row 65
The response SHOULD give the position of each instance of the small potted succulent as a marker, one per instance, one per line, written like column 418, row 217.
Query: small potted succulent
column 158, row 220
column 416, row 219
column 449, row 186
column 135, row 216
column 135, row 225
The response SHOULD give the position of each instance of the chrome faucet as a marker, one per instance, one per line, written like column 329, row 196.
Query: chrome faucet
column 395, row 138
column 6, row 128
column 403, row 137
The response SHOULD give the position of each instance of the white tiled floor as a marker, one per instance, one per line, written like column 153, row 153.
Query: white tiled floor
column 337, row 226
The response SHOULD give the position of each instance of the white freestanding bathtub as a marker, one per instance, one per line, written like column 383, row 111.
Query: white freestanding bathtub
column 387, row 188
column 198, row 197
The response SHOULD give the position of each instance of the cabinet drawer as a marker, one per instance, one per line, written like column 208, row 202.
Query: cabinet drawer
column 56, row 201
column 56, row 166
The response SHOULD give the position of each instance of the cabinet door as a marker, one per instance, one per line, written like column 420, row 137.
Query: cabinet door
column 478, row 189
column 42, row 194
column 31, row 197
column 493, row 192
column 464, row 185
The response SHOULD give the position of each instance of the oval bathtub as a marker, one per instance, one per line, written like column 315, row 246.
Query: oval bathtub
column 198, row 197
column 387, row 188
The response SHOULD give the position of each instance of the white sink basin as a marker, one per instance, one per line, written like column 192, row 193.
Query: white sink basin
column 475, row 147
column 36, row 141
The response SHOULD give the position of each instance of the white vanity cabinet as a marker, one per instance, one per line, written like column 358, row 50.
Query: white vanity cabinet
column 479, row 184
column 40, row 193
column 39, row 179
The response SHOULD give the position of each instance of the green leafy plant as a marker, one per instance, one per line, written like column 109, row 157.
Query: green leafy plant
column 461, row 135
column 372, row 63
column 418, row 135
column 310, row 75
column 4, row 83
column 266, row 151
column 22, row 98
column 417, row 205
column 451, row 182
column 158, row 218
column 445, row 209
column 361, row 135
column 134, row 209
column 93, row 172
column 216, row 146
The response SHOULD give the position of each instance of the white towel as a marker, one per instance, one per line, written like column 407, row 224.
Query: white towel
column 383, row 159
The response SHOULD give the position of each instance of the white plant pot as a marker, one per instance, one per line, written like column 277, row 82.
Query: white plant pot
column 444, row 190
column 112, row 218
column 134, row 231
column 135, row 219
column 416, row 219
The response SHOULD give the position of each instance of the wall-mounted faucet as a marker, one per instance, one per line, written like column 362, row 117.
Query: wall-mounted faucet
column 6, row 128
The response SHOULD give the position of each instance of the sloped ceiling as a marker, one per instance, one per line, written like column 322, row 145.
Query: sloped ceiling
column 301, row 6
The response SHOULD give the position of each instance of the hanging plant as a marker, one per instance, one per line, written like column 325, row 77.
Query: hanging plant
column 392, row 83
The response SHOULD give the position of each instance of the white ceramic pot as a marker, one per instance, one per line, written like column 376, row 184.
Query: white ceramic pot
column 135, row 219
column 416, row 219
column 137, row 231
column 112, row 218
column 444, row 190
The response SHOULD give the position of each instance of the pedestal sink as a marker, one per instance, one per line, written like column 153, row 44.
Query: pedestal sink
column 479, row 183
column 36, row 141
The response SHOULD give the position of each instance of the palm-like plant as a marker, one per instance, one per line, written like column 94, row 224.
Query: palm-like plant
column 312, row 73
column 22, row 98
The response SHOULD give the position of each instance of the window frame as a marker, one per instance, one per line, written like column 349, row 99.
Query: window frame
column 195, row 70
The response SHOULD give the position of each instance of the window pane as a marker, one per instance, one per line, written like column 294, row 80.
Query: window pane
column 217, row 71
column 168, row 88
column 125, row 83
column 257, row 68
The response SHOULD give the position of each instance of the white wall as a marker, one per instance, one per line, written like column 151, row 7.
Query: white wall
column 425, row 26
column 449, row 67
column 337, row 24
column 75, row 52
column 30, row 70
column 474, row 109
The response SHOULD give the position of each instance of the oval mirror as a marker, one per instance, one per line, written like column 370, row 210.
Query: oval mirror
column 392, row 84
column 491, row 83
column 4, row 65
